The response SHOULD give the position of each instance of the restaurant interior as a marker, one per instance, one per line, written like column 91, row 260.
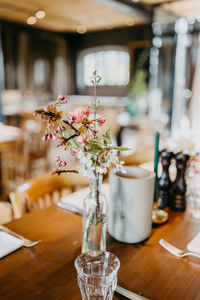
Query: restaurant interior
column 107, row 84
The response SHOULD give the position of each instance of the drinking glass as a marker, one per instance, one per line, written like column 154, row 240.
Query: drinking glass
column 97, row 275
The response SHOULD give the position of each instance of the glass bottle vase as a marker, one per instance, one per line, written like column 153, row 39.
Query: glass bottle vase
column 94, row 219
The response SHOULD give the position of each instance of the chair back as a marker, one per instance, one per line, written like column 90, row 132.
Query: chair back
column 14, row 164
column 33, row 130
column 5, row 212
column 45, row 190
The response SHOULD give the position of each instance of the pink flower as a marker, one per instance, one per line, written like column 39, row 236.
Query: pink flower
column 101, row 121
column 64, row 163
column 57, row 158
column 62, row 99
column 73, row 153
column 79, row 116
column 53, row 171
column 55, row 137
column 45, row 137
column 72, row 118
column 80, row 140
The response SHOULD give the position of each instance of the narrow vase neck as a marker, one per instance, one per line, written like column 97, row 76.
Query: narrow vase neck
column 95, row 184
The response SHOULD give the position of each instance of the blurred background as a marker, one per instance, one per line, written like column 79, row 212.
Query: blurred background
column 147, row 52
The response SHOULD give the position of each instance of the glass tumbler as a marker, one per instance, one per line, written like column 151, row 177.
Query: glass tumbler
column 97, row 275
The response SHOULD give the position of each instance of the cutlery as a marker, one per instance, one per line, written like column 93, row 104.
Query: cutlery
column 69, row 207
column 128, row 294
column 26, row 242
column 177, row 252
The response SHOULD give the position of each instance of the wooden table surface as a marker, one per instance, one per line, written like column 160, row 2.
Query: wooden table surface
column 47, row 271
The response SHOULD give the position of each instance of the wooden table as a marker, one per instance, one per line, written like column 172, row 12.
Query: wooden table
column 47, row 271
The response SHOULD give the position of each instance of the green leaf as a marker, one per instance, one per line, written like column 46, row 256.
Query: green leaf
column 94, row 146
column 72, row 141
column 121, row 148
column 107, row 138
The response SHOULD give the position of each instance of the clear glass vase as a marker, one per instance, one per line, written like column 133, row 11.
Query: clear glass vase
column 94, row 219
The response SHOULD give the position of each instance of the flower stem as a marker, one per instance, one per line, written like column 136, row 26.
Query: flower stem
column 66, row 171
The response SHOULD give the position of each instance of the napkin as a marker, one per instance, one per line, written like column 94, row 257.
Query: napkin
column 194, row 245
column 8, row 243
column 74, row 201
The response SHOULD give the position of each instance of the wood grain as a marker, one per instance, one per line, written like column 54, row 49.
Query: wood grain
column 47, row 270
column 67, row 15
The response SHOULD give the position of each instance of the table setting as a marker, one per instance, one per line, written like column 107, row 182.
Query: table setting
column 129, row 258
column 132, row 256
column 11, row 241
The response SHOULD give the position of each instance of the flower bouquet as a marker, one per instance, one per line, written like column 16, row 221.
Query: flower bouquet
column 79, row 132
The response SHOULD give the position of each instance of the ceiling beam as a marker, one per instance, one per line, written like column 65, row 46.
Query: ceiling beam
column 128, row 7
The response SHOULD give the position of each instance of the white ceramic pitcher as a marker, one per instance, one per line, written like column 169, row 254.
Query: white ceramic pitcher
column 131, row 202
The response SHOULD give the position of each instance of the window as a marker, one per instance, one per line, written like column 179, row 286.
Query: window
column 39, row 71
column 112, row 64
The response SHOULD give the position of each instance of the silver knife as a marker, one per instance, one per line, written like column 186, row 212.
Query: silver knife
column 128, row 294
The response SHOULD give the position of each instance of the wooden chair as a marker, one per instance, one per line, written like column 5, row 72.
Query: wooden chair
column 5, row 212
column 33, row 130
column 43, row 191
column 13, row 166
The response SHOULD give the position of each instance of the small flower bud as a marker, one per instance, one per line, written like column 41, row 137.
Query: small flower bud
column 45, row 137
column 53, row 171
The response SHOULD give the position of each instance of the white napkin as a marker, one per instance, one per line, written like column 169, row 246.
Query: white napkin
column 74, row 201
column 194, row 245
column 8, row 243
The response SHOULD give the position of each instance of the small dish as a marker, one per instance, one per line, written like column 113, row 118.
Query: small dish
column 159, row 216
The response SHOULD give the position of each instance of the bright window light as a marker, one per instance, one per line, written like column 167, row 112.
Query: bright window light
column 112, row 66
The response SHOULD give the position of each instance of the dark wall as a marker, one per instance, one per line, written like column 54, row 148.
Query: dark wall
column 44, row 44
column 121, row 37
column 22, row 46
